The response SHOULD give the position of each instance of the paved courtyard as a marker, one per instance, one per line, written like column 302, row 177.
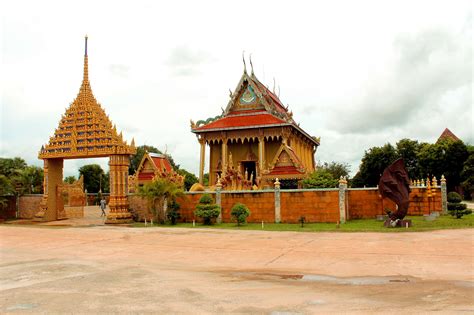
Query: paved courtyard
column 106, row 269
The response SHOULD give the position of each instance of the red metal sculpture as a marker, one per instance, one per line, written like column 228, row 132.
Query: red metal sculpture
column 395, row 185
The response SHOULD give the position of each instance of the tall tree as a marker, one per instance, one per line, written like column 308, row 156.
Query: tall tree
column 373, row 163
column 93, row 177
column 29, row 179
column 467, row 174
column 70, row 179
column 409, row 150
column 9, row 167
column 445, row 157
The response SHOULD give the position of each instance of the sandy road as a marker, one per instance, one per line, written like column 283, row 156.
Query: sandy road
column 165, row 270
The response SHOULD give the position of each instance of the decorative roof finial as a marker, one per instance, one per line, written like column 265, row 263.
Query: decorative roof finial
column 85, row 51
column 85, row 80
column 274, row 85
column 243, row 58
column 251, row 64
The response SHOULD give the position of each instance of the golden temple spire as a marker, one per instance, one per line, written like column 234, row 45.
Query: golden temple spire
column 85, row 79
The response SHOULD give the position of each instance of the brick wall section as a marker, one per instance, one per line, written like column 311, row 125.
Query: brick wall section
column 139, row 207
column 260, row 203
column 315, row 206
column 29, row 205
column 188, row 205
column 367, row 203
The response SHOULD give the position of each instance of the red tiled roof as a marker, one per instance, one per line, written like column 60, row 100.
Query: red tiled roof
column 242, row 121
column 158, row 159
column 447, row 134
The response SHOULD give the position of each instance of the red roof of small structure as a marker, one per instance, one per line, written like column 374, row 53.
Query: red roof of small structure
column 250, row 119
column 161, row 161
column 447, row 134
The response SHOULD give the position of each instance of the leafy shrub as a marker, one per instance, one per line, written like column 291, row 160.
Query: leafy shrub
column 454, row 197
column 321, row 178
column 206, row 199
column 207, row 209
column 240, row 212
column 173, row 212
column 455, row 207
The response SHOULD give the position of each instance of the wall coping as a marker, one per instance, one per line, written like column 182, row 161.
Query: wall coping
column 310, row 190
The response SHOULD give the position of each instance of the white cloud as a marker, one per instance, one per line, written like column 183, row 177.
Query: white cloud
column 358, row 74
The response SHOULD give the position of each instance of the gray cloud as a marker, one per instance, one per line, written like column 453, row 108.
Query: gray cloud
column 185, row 61
column 429, row 65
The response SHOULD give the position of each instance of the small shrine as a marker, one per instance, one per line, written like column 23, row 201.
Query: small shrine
column 85, row 131
column 153, row 165
column 254, row 141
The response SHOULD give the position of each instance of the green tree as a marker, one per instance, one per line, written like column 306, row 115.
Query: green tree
column 94, row 177
column 189, row 178
column 467, row 174
column 240, row 213
column 408, row 150
column 445, row 157
column 373, row 164
column 160, row 191
column 455, row 207
column 205, row 179
column 6, row 189
column 321, row 178
column 137, row 158
column 172, row 212
column 207, row 209
column 30, row 179
column 70, row 179
column 336, row 169
column 9, row 167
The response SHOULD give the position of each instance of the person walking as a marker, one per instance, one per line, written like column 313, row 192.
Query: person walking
column 103, row 204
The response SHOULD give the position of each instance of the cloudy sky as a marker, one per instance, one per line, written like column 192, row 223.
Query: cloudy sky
column 356, row 73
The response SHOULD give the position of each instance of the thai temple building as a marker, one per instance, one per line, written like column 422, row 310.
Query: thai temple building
column 254, row 141
column 153, row 165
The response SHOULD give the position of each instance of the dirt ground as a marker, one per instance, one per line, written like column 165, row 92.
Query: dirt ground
column 109, row 269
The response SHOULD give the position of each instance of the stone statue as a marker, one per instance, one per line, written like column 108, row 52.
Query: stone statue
column 395, row 185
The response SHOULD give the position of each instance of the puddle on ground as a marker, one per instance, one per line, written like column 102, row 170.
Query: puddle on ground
column 329, row 279
column 352, row 281
column 24, row 306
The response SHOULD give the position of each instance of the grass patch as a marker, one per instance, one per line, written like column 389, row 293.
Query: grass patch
column 365, row 225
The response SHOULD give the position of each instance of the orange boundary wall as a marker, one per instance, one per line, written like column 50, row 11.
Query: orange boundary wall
column 316, row 205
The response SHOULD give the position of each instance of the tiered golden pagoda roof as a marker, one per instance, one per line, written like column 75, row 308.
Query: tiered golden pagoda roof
column 84, row 129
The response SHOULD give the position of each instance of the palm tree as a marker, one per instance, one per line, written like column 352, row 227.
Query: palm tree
column 160, row 190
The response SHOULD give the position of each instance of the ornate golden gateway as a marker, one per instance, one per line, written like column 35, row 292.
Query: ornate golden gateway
column 85, row 131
